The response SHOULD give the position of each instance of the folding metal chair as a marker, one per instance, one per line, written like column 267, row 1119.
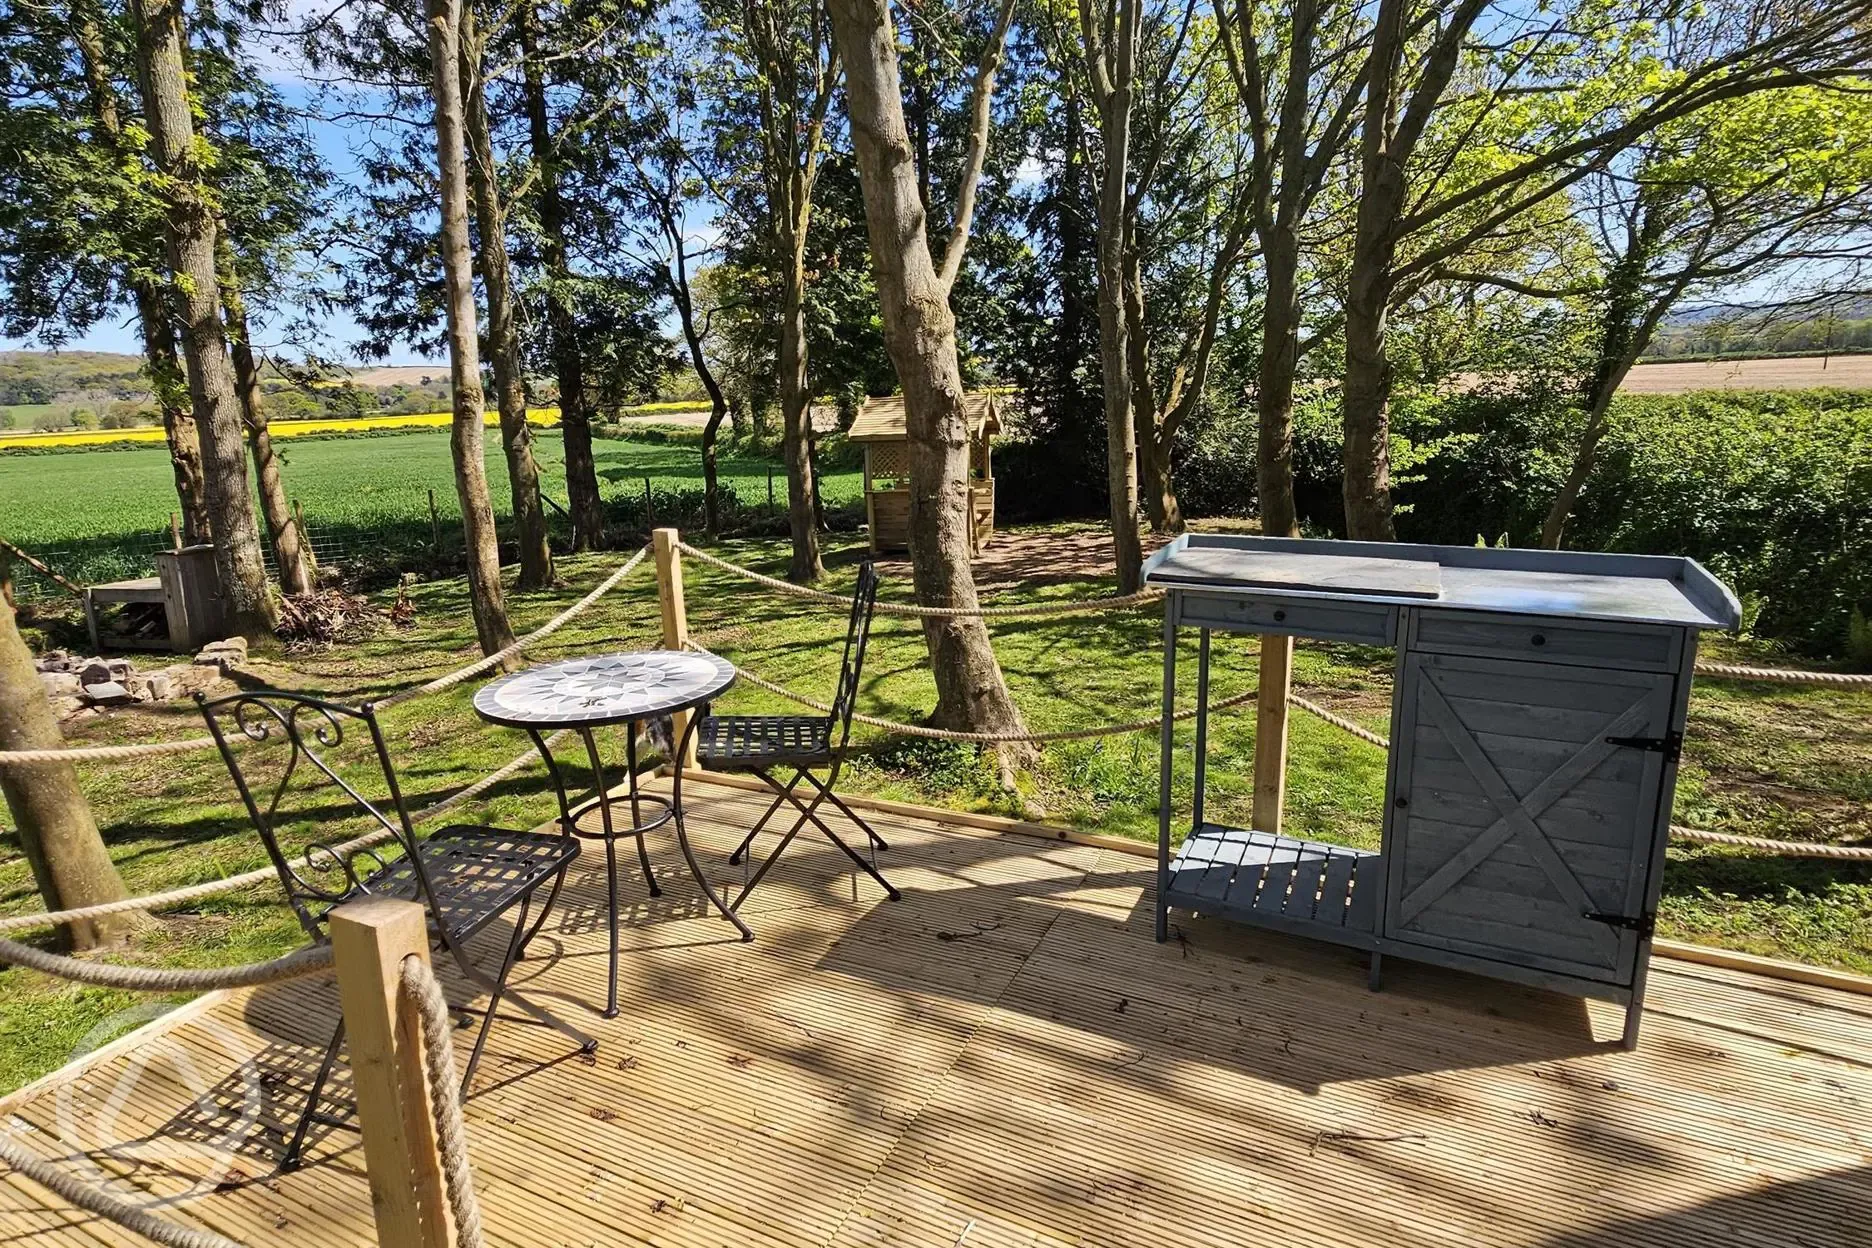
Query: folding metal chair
column 465, row 876
column 758, row 744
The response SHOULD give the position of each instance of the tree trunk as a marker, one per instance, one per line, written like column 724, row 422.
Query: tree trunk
column 248, row 600
column 523, row 476
column 718, row 404
column 919, row 330
column 711, row 481
column 1159, row 490
column 169, row 386
column 1626, row 327
column 1367, row 389
column 1112, row 92
column 465, row 439
column 56, row 830
column 1367, row 418
column 584, row 501
column 289, row 554
column 1274, row 389
column 1073, row 322
column 1156, row 430
column 167, row 383
column 795, row 416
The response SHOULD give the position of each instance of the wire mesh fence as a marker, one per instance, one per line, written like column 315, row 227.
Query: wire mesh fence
column 374, row 551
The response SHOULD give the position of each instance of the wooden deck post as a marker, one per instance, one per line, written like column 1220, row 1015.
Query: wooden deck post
column 1270, row 756
column 675, row 619
column 370, row 938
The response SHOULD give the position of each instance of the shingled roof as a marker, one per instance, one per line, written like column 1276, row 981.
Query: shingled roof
column 882, row 419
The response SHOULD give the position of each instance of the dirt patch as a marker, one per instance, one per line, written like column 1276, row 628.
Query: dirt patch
column 1015, row 558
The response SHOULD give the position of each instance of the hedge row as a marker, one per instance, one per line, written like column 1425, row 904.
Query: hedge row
column 1771, row 490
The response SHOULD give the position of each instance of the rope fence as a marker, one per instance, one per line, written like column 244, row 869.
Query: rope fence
column 1785, row 676
column 545, row 630
column 1117, row 603
column 1848, row 853
column 262, row 875
column 981, row 738
column 120, row 753
column 1726, row 671
column 308, row 961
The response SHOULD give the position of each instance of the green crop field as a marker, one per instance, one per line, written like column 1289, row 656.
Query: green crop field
column 51, row 499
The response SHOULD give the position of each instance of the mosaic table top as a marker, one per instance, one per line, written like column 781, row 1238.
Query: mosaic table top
column 604, row 689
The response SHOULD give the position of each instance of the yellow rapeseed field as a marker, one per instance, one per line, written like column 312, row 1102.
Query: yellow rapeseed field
column 545, row 416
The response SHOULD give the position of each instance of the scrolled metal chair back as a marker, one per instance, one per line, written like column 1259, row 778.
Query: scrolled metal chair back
column 857, row 635
column 325, row 873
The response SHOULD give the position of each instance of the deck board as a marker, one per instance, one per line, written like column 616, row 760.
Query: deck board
column 1005, row 1057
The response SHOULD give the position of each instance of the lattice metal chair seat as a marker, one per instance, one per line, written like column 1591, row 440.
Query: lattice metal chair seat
column 466, row 877
column 731, row 742
column 757, row 744
column 476, row 874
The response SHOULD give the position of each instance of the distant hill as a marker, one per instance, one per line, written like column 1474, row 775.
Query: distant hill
column 412, row 375
column 1757, row 333
column 34, row 377
column 37, row 377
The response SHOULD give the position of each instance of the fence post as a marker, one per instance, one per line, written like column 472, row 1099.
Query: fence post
column 370, row 938
column 435, row 524
column 1270, row 756
column 675, row 618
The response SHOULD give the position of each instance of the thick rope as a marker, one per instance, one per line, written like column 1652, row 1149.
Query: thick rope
column 1339, row 721
column 1785, row 676
column 421, row 990
column 262, row 875
column 938, row 613
column 982, row 738
column 116, row 753
column 308, row 961
column 550, row 627
column 1793, row 849
column 94, row 1199
column 103, row 753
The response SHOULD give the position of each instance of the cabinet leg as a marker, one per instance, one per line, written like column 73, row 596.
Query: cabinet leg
column 1374, row 978
column 1634, row 1015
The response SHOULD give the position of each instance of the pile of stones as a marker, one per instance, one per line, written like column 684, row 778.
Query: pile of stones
column 77, row 685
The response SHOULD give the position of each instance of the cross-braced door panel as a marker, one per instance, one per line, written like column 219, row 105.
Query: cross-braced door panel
column 1517, row 819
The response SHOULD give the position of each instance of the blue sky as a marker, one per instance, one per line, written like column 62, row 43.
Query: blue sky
column 339, row 332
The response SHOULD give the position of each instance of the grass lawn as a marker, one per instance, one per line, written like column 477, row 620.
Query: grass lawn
column 1783, row 761
column 354, row 481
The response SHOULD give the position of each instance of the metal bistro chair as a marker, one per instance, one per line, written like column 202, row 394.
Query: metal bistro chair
column 464, row 876
column 760, row 743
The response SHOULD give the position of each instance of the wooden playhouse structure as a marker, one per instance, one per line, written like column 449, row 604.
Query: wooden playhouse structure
column 880, row 429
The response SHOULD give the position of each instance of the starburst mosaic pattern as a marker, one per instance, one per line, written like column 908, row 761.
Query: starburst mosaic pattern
column 609, row 688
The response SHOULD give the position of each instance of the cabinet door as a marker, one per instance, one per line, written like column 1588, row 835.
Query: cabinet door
column 1515, row 818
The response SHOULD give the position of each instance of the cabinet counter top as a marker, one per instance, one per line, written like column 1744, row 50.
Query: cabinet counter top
column 1554, row 584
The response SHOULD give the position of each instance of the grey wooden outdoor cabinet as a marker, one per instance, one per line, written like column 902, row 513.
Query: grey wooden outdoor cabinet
column 1538, row 714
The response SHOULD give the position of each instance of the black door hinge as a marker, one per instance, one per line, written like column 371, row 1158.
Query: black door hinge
column 1644, row 924
column 1670, row 745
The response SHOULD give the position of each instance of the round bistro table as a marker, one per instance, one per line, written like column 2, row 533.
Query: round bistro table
column 590, row 693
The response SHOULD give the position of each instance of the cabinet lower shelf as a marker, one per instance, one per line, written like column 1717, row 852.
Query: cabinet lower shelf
column 1309, row 888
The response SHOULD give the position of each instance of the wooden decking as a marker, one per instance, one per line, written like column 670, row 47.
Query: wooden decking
column 1006, row 1058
